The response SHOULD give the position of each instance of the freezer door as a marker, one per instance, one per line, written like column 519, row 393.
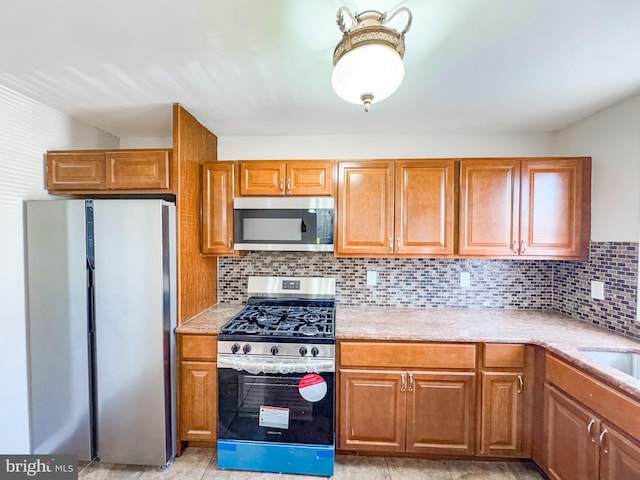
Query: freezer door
column 57, row 327
column 134, row 317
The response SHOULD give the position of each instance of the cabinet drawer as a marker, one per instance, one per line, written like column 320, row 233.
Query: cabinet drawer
column 606, row 402
column 198, row 347
column 500, row 355
column 408, row 355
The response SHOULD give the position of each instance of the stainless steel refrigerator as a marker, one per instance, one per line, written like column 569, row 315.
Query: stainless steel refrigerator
column 101, row 307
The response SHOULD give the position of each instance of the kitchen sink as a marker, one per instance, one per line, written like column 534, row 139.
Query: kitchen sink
column 626, row 362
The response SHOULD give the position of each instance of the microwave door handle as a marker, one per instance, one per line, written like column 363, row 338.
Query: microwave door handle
column 303, row 226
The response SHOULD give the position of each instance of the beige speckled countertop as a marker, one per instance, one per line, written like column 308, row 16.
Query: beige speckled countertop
column 558, row 333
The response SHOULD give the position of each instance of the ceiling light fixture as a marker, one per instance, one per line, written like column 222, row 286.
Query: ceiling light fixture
column 367, row 62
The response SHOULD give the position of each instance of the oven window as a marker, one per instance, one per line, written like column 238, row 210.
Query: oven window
column 255, row 391
column 270, row 407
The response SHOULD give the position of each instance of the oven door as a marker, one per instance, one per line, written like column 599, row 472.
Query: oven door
column 276, row 402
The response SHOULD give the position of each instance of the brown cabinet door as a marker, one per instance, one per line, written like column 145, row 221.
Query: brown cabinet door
column 310, row 178
column 619, row 456
column 424, row 207
column 365, row 208
column 67, row 171
column 262, row 178
column 571, row 435
column 501, row 412
column 138, row 170
column 372, row 412
column 217, row 208
column 489, row 207
column 441, row 412
column 198, row 401
column 555, row 214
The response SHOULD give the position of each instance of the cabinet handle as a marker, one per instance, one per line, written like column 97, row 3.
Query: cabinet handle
column 515, row 247
column 231, row 244
column 520, row 384
column 411, row 382
column 403, row 386
column 601, row 441
column 282, row 192
column 390, row 244
column 398, row 244
column 589, row 430
column 523, row 246
column 288, row 185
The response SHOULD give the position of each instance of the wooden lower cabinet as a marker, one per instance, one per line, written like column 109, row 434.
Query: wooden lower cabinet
column 501, row 413
column 620, row 457
column 407, row 411
column 571, row 433
column 582, row 446
column 503, row 400
column 198, row 399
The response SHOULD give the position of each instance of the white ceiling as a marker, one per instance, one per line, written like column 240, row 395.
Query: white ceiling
column 263, row 67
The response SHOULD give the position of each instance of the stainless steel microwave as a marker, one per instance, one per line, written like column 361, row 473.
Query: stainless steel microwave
column 283, row 223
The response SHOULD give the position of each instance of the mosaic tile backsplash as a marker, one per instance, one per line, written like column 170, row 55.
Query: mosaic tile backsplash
column 615, row 264
column 508, row 284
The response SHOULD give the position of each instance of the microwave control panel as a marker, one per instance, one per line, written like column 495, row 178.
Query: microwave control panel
column 325, row 226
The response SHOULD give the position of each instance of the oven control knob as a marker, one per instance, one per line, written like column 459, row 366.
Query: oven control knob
column 303, row 351
column 234, row 348
column 274, row 350
column 315, row 351
column 246, row 348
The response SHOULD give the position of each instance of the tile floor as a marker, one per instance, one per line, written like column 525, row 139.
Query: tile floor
column 201, row 464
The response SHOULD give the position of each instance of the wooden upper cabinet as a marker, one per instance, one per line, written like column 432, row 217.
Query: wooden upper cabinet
column 101, row 171
column 67, row 171
column 365, row 208
column 424, row 207
column 489, row 206
column 138, row 170
column 556, row 207
column 217, row 208
column 525, row 207
column 296, row 178
column 398, row 208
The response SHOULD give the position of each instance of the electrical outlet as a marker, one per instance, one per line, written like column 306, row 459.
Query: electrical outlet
column 465, row 279
column 597, row 290
column 372, row 278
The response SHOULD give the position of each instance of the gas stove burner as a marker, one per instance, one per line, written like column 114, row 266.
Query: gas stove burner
column 311, row 318
column 308, row 330
column 251, row 328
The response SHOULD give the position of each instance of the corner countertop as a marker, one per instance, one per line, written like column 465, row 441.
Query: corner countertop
column 558, row 333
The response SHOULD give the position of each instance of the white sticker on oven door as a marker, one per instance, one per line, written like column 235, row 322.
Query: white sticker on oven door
column 274, row 417
column 312, row 387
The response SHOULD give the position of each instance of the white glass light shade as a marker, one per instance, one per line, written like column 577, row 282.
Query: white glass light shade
column 370, row 69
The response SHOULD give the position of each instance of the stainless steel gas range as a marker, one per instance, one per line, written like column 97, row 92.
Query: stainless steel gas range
column 276, row 378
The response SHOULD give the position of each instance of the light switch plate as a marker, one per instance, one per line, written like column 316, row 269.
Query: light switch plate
column 597, row 290
column 372, row 278
column 465, row 279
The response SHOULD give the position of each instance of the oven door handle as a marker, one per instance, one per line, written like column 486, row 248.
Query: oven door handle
column 276, row 365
